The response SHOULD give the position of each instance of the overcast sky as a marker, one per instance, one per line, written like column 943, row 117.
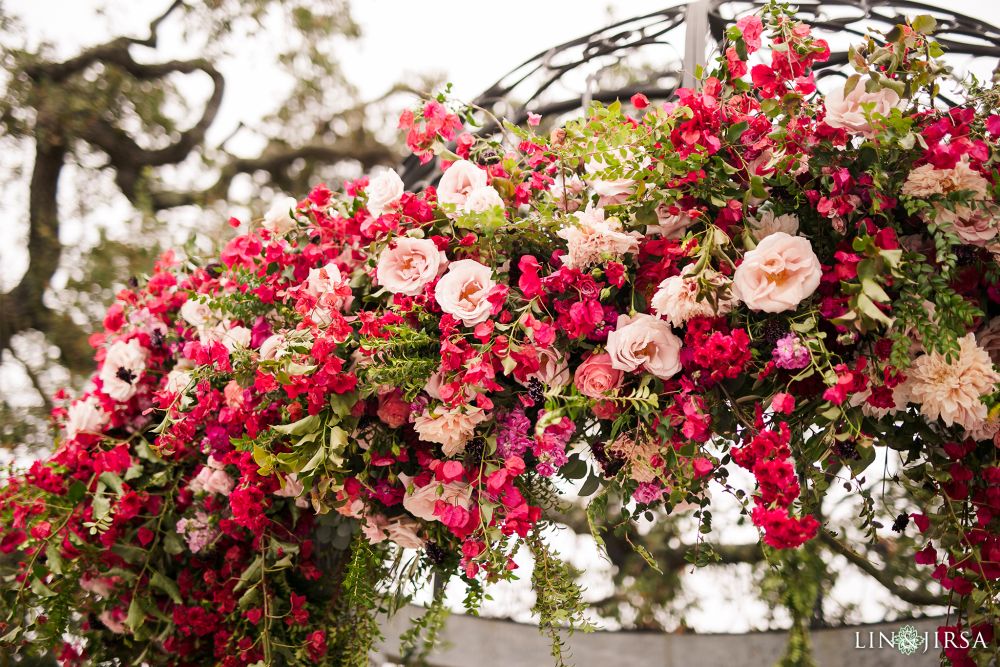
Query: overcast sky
column 471, row 43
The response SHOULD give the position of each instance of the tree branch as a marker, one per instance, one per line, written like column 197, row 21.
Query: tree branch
column 60, row 71
column 920, row 598
column 274, row 161
column 23, row 308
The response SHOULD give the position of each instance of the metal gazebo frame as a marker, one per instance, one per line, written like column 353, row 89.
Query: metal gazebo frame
column 538, row 85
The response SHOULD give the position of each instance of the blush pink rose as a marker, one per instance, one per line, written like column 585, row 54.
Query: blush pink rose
column 291, row 487
column 114, row 620
column 273, row 347
column 459, row 181
column 482, row 199
column 645, row 342
column 596, row 376
column 407, row 265
column 463, row 290
column 778, row 274
column 847, row 112
column 553, row 371
column 670, row 225
column 384, row 190
column 374, row 528
column 405, row 533
column 421, row 501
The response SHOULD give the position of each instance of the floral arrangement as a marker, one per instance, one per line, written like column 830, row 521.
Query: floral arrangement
column 373, row 387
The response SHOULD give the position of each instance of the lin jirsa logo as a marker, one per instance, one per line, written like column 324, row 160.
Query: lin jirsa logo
column 908, row 640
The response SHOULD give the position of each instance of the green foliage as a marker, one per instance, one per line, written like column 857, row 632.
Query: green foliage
column 558, row 598
column 405, row 359
column 357, row 630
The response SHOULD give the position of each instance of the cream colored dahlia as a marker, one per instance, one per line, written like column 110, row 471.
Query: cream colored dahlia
column 953, row 391
column 973, row 224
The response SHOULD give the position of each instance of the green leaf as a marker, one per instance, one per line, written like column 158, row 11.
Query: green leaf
column 251, row 574
column 590, row 486
column 53, row 558
column 168, row 586
column 40, row 589
column 576, row 468
column 924, row 23
column 136, row 616
column 300, row 427
column 868, row 307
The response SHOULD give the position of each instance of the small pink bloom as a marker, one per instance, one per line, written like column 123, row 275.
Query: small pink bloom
column 848, row 110
column 783, row 403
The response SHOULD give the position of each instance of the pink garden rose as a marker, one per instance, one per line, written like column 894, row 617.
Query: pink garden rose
column 407, row 265
column 553, row 371
column 101, row 586
column 229, row 334
column 459, row 181
column 778, row 274
column 670, row 225
column 846, row 111
column 679, row 298
column 644, row 341
column 114, row 620
column 291, row 487
column 405, row 533
column 124, row 364
column 393, row 410
column 421, row 501
column 596, row 376
column 273, row 347
column 374, row 528
column 196, row 313
column 463, row 290
column 384, row 190
column 976, row 223
column 482, row 199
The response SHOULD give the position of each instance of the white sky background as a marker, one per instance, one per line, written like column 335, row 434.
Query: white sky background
column 472, row 44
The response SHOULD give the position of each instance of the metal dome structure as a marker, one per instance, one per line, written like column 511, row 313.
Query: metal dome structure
column 656, row 53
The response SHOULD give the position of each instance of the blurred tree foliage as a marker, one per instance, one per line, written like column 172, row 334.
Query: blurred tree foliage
column 121, row 127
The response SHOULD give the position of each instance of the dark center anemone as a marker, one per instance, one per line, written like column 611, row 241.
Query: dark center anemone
column 125, row 375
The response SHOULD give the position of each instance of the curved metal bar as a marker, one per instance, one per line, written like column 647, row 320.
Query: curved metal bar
column 544, row 83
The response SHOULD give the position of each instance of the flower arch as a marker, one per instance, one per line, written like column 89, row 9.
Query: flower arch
column 373, row 386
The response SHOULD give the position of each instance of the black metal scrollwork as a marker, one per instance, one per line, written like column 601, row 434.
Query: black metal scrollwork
column 645, row 53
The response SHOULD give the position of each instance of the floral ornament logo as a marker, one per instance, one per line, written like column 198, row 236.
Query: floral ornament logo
column 907, row 640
